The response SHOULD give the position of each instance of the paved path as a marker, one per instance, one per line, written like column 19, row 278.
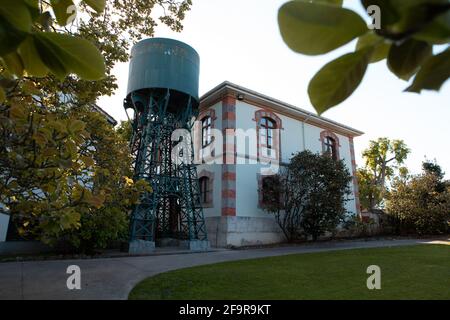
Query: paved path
column 114, row 278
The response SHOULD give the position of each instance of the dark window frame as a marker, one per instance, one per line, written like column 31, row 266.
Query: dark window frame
column 330, row 147
column 266, row 127
column 206, row 131
column 204, row 183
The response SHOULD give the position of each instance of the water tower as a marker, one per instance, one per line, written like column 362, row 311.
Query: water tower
column 163, row 94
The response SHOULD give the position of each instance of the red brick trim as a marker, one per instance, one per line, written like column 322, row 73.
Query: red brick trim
column 327, row 133
column 229, row 212
column 229, row 176
column 229, row 156
column 263, row 113
column 355, row 179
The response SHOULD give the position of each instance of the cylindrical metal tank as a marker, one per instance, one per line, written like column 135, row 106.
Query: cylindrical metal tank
column 160, row 63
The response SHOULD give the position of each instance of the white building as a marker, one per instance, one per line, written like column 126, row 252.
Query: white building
column 232, row 175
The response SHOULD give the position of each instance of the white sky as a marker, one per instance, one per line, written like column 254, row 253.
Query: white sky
column 239, row 41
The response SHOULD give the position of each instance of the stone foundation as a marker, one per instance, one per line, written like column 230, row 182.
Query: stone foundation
column 196, row 245
column 228, row 231
column 141, row 247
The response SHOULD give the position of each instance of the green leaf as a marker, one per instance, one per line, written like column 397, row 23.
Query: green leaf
column 389, row 12
column 401, row 18
column 405, row 59
column 337, row 80
column 10, row 38
column 17, row 112
column 2, row 95
column 380, row 47
column 17, row 14
column 433, row 73
column 315, row 28
column 97, row 5
column 76, row 126
column 31, row 60
column 437, row 32
column 46, row 21
column 13, row 63
column 416, row 14
column 64, row 54
column 332, row 2
column 88, row 161
column 33, row 7
column 69, row 219
column 62, row 10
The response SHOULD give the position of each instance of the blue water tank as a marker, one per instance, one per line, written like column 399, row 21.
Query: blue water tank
column 160, row 63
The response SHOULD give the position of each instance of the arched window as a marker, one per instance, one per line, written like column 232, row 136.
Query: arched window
column 206, row 131
column 204, row 189
column 266, row 127
column 331, row 147
column 330, row 144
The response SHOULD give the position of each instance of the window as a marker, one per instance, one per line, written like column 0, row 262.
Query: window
column 204, row 189
column 266, row 127
column 206, row 131
column 330, row 147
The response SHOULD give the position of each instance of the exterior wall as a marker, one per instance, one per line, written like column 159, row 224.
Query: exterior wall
column 236, row 218
column 214, row 171
column 291, row 142
column 238, row 231
column 211, row 167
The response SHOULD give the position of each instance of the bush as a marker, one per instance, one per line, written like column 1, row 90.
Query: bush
column 73, row 186
column 356, row 227
column 421, row 205
column 308, row 196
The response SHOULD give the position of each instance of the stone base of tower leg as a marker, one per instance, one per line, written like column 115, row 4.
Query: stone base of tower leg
column 141, row 247
column 196, row 245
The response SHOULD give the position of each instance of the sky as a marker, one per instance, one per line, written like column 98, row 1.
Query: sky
column 239, row 41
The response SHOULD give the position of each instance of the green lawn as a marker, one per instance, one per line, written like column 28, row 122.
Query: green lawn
column 413, row 272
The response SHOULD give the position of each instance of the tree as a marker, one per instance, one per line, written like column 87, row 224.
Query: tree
column 43, row 39
column 420, row 204
column 369, row 193
column 382, row 159
column 404, row 33
column 65, row 174
column 125, row 130
column 308, row 197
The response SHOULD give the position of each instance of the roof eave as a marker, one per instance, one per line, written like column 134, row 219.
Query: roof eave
column 228, row 88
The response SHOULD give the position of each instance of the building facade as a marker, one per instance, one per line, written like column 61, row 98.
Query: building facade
column 241, row 138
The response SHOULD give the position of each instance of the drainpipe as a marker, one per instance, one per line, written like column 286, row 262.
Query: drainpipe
column 303, row 130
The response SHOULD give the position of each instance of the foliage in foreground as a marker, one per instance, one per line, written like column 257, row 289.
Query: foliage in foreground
column 405, row 34
column 65, row 175
column 308, row 197
column 41, row 40
column 64, row 172
column 421, row 204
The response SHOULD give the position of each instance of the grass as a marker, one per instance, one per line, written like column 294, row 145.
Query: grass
column 413, row 272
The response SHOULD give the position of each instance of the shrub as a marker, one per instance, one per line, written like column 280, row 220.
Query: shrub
column 308, row 196
column 421, row 204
